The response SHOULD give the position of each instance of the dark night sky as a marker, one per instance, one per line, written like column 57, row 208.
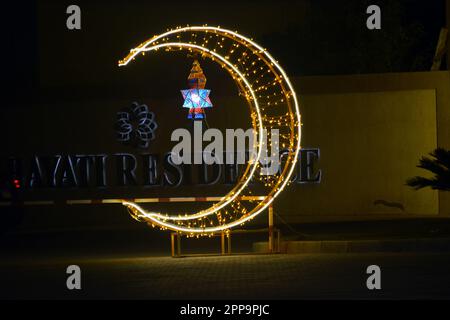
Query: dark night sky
column 307, row 37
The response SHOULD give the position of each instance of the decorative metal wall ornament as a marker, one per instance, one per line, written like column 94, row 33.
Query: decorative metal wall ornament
column 273, row 104
column 136, row 125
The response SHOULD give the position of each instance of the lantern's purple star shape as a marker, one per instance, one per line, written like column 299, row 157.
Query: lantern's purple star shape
column 196, row 100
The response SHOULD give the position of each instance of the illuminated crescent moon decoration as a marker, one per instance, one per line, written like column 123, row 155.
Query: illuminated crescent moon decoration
column 273, row 105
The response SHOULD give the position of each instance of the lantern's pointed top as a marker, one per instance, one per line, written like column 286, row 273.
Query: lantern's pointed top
column 196, row 79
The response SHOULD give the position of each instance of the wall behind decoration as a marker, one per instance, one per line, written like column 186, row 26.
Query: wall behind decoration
column 371, row 130
column 370, row 144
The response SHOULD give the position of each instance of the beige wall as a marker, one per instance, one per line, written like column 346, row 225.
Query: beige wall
column 370, row 144
column 387, row 121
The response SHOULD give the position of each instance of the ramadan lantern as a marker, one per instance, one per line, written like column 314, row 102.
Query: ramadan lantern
column 196, row 98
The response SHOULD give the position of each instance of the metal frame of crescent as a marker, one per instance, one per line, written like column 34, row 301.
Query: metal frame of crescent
column 160, row 219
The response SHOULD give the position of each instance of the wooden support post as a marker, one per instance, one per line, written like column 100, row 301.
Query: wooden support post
column 229, row 242
column 178, row 244
column 172, row 243
column 271, row 228
column 222, row 243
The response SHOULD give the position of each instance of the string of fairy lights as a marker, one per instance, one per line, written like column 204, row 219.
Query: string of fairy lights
column 273, row 105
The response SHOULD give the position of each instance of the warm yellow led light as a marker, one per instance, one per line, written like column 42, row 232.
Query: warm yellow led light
column 232, row 197
column 152, row 45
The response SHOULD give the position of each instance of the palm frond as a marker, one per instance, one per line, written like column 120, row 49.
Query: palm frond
column 432, row 165
column 439, row 164
column 442, row 156
column 421, row 182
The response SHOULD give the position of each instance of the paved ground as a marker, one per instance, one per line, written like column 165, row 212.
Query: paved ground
column 249, row 276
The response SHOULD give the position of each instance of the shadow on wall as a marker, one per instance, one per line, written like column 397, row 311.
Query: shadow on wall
column 389, row 204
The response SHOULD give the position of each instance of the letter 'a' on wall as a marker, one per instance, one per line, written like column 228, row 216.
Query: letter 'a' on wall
column 276, row 109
